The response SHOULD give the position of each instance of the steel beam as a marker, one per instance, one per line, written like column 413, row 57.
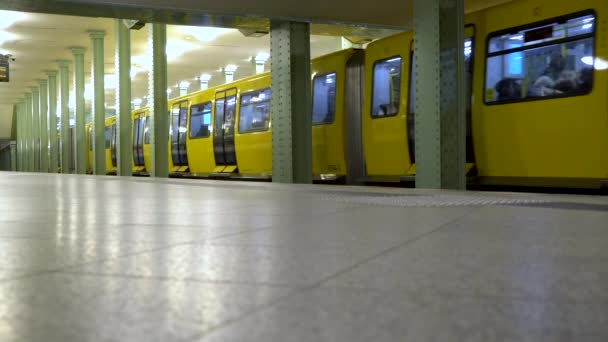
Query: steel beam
column 124, row 123
column 290, row 102
column 159, row 128
column 53, row 151
column 44, row 128
column 99, row 102
column 36, row 127
column 64, row 91
column 80, row 147
column 440, row 103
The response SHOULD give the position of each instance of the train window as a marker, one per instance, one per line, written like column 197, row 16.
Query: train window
column 200, row 120
column 108, row 135
column 91, row 139
column 147, row 130
column 254, row 112
column 546, row 60
column 386, row 87
column 323, row 98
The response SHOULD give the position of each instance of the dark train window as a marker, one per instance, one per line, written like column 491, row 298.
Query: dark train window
column 386, row 87
column 91, row 139
column 551, row 59
column 200, row 120
column 323, row 98
column 254, row 112
column 147, row 131
column 108, row 136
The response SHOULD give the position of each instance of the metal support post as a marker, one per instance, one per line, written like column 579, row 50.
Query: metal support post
column 99, row 102
column 64, row 91
column 44, row 128
column 29, row 140
column 13, row 151
column 80, row 148
column 19, row 136
column 123, row 99
column 440, row 103
column 36, row 127
column 290, row 102
column 54, row 153
column 159, row 134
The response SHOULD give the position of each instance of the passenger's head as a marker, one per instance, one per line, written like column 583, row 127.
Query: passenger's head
column 557, row 61
column 508, row 88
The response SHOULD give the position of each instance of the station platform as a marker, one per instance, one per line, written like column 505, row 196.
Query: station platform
column 85, row 258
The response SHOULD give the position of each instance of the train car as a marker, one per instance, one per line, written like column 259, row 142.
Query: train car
column 528, row 76
column 89, row 143
column 540, row 105
column 110, row 133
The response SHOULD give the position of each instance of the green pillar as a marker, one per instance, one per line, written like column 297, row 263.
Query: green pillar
column 19, row 136
column 80, row 148
column 159, row 133
column 290, row 102
column 64, row 92
column 123, row 99
column 53, row 151
column 44, row 127
column 99, row 102
column 29, row 152
column 36, row 128
column 440, row 105
column 13, row 151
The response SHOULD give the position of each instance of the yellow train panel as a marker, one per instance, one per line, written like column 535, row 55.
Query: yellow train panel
column 110, row 126
column 384, row 113
column 199, row 142
column 561, row 137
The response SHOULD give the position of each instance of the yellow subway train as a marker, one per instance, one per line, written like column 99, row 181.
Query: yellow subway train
column 537, row 107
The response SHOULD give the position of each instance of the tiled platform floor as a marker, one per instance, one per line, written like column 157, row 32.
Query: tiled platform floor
column 86, row 258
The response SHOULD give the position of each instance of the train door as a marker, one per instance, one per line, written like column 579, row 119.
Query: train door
column 223, row 131
column 113, row 146
column 179, row 130
column 138, row 142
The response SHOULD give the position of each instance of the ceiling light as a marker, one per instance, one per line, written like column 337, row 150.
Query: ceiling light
column 8, row 18
column 230, row 68
column 5, row 36
column 169, row 91
column 184, row 84
column 138, row 101
column 262, row 57
column 597, row 63
column 203, row 34
column 176, row 48
column 205, row 77
column 587, row 26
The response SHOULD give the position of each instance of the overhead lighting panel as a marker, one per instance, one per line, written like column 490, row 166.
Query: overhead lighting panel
column 8, row 18
column 203, row 34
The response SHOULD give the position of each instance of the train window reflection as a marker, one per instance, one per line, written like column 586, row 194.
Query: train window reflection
column 254, row 112
column 108, row 135
column 200, row 120
column 323, row 98
column 386, row 87
column 540, row 62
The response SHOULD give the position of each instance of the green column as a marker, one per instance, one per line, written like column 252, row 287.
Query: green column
column 159, row 133
column 123, row 99
column 44, row 128
column 13, row 151
column 19, row 136
column 64, row 92
column 36, row 128
column 99, row 102
column 290, row 102
column 80, row 148
column 53, row 151
column 29, row 152
column 440, row 105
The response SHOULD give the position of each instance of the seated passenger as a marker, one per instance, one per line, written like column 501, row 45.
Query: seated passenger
column 543, row 86
column 557, row 63
column 508, row 89
column 567, row 82
column 585, row 79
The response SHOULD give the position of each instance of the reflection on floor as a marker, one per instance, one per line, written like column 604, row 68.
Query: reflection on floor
column 86, row 258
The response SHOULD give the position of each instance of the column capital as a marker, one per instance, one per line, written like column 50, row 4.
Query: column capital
column 43, row 82
column 76, row 51
column 97, row 34
column 27, row 95
column 51, row 72
column 35, row 89
column 63, row 62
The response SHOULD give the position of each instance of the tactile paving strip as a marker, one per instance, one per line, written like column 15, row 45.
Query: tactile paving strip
column 427, row 200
